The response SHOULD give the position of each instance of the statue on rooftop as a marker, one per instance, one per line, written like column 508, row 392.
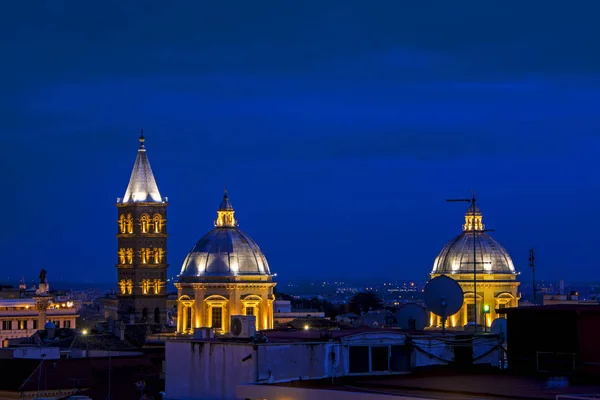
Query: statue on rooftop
column 43, row 276
column 43, row 288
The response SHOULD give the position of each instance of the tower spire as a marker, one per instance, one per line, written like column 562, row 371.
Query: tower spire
column 142, row 186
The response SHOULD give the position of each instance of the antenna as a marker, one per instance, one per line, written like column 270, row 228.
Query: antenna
column 532, row 265
column 473, row 205
column 443, row 297
column 412, row 316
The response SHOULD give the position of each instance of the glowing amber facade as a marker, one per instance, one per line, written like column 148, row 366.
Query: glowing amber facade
column 497, row 285
column 142, row 247
column 224, row 274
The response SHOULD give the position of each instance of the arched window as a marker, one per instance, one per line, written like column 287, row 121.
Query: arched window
column 129, row 255
column 144, row 314
column 129, row 224
column 145, row 255
column 145, row 223
column 122, row 256
column 123, row 286
column 122, row 224
column 185, row 317
column 157, row 221
column 157, row 315
column 158, row 255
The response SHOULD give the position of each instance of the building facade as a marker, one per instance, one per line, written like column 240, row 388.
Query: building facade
column 472, row 254
column 224, row 274
column 142, row 246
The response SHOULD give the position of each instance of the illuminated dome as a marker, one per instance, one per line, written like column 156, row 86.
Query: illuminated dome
column 225, row 251
column 457, row 255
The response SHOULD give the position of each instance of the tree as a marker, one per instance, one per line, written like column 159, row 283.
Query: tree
column 365, row 301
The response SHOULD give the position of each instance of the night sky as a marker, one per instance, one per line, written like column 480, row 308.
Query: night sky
column 339, row 130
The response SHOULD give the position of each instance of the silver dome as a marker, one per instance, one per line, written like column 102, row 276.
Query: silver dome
column 457, row 256
column 225, row 251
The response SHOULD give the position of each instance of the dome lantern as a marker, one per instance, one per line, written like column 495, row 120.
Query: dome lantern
column 225, row 218
column 473, row 218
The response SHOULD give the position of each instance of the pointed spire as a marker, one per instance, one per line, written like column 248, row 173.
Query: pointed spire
column 142, row 185
column 225, row 213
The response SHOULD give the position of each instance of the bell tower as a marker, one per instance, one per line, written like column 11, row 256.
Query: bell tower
column 142, row 246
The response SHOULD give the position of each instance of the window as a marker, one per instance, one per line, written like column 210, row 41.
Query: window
column 6, row 325
column 145, row 223
column 22, row 324
column 217, row 317
column 157, row 222
column 35, row 324
column 379, row 358
column 359, row 359
column 470, row 312
column 249, row 310
column 56, row 324
column 188, row 319
column 67, row 324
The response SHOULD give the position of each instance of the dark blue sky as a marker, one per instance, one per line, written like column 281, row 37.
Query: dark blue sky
column 339, row 130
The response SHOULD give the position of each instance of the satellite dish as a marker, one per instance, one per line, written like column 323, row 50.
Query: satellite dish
column 412, row 316
column 498, row 327
column 443, row 297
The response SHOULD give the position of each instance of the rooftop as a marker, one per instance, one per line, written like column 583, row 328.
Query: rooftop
column 448, row 384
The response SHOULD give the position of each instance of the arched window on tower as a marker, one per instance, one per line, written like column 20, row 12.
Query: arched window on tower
column 145, row 255
column 122, row 224
column 145, row 286
column 129, row 255
column 122, row 256
column 129, row 224
column 145, row 223
column 157, row 221
column 158, row 255
column 123, row 286
column 156, row 315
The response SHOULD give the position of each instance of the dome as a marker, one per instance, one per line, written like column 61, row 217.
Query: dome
column 225, row 251
column 49, row 325
column 457, row 255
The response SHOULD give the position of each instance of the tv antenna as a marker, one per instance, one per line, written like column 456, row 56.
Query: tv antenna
column 476, row 230
column 443, row 297
column 532, row 265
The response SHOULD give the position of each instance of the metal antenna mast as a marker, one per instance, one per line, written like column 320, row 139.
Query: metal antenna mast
column 473, row 203
column 532, row 265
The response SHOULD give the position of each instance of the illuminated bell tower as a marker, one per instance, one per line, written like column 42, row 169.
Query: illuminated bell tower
column 142, row 246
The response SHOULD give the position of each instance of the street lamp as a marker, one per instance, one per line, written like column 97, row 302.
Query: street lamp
column 486, row 311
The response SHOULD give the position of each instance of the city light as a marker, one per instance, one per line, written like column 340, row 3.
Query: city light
column 84, row 332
